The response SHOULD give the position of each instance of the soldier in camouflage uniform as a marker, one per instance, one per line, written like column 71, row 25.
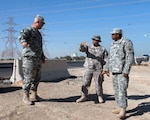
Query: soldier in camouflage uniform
column 32, row 58
column 95, row 59
column 120, row 59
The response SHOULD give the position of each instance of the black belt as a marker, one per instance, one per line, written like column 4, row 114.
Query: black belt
column 116, row 73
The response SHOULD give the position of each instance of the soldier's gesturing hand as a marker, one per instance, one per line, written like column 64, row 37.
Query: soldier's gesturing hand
column 24, row 44
column 83, row 43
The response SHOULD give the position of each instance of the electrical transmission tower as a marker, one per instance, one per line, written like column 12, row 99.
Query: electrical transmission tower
column 11, row 50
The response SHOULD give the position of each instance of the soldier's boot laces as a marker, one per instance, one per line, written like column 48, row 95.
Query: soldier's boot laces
column 100, row 99
column 116, row 111
column 26, row 99
column 122, row 113
column 34, row 97
column 83, row 98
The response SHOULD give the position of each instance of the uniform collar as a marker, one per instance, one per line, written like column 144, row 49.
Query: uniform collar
column 118, row 41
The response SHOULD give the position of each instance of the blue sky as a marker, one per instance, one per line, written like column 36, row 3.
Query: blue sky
column 69, row 22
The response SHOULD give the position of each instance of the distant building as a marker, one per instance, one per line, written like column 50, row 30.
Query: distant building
column 74, row 56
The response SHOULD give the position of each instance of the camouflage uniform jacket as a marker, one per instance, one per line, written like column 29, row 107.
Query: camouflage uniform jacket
column 95, row 56
column 121, row 56
column 34, row 40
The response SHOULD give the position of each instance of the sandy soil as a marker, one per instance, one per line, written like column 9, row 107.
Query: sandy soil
column 58, row 99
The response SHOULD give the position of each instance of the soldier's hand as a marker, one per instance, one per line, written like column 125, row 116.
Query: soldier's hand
column 83, row 43
column 106, row 72
column 125, row 75
column 43, row 60
column 24, row 44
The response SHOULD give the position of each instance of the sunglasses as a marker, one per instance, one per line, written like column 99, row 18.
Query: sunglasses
column 41, row 22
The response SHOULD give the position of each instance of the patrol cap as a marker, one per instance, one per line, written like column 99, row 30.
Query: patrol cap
column 116, row 31
column 97, row 37
column 39, row 18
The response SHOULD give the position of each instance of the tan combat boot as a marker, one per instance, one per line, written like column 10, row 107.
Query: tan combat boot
column 116, row 111
column 33, row 96
column 81, row 99
column 122, row 113
column 100, row 99
column 26, row 98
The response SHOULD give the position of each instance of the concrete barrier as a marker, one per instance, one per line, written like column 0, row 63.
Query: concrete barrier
column 6, row 69
column 51, row 70
column 139, row 60
column 54, row 69
column 17, row 73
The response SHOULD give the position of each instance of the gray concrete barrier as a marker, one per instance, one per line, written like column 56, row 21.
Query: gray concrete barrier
column 54, row 69
column 6, row 69
column 139, row 60
column 51, row 70
column 17, row 74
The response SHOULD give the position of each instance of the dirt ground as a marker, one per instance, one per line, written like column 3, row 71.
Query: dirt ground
column 58, row 99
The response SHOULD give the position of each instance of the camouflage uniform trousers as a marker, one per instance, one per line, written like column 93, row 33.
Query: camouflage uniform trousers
column 32, row 73
column 87, row 78
column 120, row 85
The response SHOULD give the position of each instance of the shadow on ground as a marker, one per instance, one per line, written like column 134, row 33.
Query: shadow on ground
column 60, row 79
column 142, row 108
column 90, row 97
column 9, row 89
column 138, row 97
column 6, row 87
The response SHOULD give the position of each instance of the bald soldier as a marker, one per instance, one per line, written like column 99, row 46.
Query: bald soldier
column 32, row 58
